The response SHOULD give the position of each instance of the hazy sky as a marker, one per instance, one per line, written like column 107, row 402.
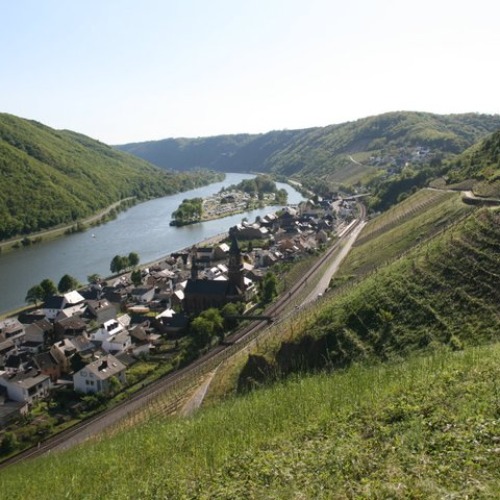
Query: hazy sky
column 125, row 71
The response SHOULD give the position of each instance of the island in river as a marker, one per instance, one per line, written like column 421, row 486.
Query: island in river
column 247, row 195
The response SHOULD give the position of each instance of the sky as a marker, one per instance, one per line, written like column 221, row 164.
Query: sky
column 125, row 71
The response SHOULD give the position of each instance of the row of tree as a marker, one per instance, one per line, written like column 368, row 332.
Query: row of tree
column 47, row 288
column 122, row 262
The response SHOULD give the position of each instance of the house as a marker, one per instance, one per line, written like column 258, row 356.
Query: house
column 17, row 361
column 171, row 322
column 69, row 327
column 251, row 232
column 143, row 294
column 107, row 330
column 117, row 343
column 62, row 351
column 221, row 251
column 112, row 336
column 100, row 310
column 25, row 387
column 12, row 329
column 47, row 365
column 72, row 303
column 204, row 254
column 41, row 331
column 96, row 377
column 6, row 347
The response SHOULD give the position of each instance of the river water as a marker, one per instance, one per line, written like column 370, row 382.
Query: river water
column 143, row 228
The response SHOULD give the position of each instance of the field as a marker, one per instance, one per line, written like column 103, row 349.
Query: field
column 425, row 428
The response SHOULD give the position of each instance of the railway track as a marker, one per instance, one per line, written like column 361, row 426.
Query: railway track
column 181, row 380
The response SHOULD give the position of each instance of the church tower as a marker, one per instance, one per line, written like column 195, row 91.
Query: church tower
column 235, row 264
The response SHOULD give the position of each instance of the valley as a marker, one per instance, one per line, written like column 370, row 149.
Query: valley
column 380, row 349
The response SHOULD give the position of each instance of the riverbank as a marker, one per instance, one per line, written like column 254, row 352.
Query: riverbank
column 57, row 232
column 143, row 229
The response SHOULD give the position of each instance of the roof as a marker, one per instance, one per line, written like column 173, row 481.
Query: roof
column 26, row 380
column 45, row 361
column 211, row 287
column 73, row 322
column 10, row 325
column 103, row 368
column 54, row 302
column 73, row 297
column 82, row 343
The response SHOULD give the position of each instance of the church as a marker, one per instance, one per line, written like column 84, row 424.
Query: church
column 201, row 294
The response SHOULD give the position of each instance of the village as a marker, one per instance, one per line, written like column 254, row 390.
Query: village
column 87, row 341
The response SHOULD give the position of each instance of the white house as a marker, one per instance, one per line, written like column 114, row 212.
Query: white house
column 107, row 330
column 117, row 343
column 25, row 387
column 113, row 336
column 96, row 376
column 72, row 303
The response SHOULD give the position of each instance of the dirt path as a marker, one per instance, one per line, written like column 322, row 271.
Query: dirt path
column 197, row 398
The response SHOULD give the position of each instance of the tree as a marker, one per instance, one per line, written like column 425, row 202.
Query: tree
column 136, row 277
column 48, row 288
column 119, row 263
column 67, row 283
column 214, row 316
column 93, row 279
column 228, row 312
column 208, row 324
column 133, row 259
column 34, row 294
column 269, row 287
column 8, row 444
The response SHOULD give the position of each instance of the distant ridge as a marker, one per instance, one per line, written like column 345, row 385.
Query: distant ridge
column 319, row 150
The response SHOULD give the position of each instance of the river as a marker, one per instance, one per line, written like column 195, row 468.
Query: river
column 143, row 228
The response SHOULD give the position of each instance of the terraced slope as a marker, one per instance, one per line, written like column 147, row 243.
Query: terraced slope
column 399, row 229
column 444, row 292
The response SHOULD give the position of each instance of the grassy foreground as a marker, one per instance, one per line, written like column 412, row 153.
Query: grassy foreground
column 425, row 428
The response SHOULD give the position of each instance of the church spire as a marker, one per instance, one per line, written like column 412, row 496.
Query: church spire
column 235, row 264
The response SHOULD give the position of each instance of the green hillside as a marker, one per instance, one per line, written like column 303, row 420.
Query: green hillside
column 425, row 428
column 324, row 151
column 479, row 167
column 51, row 177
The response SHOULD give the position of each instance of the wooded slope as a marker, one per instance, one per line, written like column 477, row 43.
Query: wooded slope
column 50, row 177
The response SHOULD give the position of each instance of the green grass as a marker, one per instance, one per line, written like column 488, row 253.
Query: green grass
column 425, row 428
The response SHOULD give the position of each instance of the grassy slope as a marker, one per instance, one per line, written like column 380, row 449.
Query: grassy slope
column 52, row 177
column 426, row 428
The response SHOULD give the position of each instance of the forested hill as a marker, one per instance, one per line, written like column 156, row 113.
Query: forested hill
column 51, row 177
column 322, row 150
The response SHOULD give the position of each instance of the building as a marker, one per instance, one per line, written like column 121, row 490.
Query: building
column 96, row 377
column 25, row 387
column 201, row 294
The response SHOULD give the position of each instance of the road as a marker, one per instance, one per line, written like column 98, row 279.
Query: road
column 203, row 365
